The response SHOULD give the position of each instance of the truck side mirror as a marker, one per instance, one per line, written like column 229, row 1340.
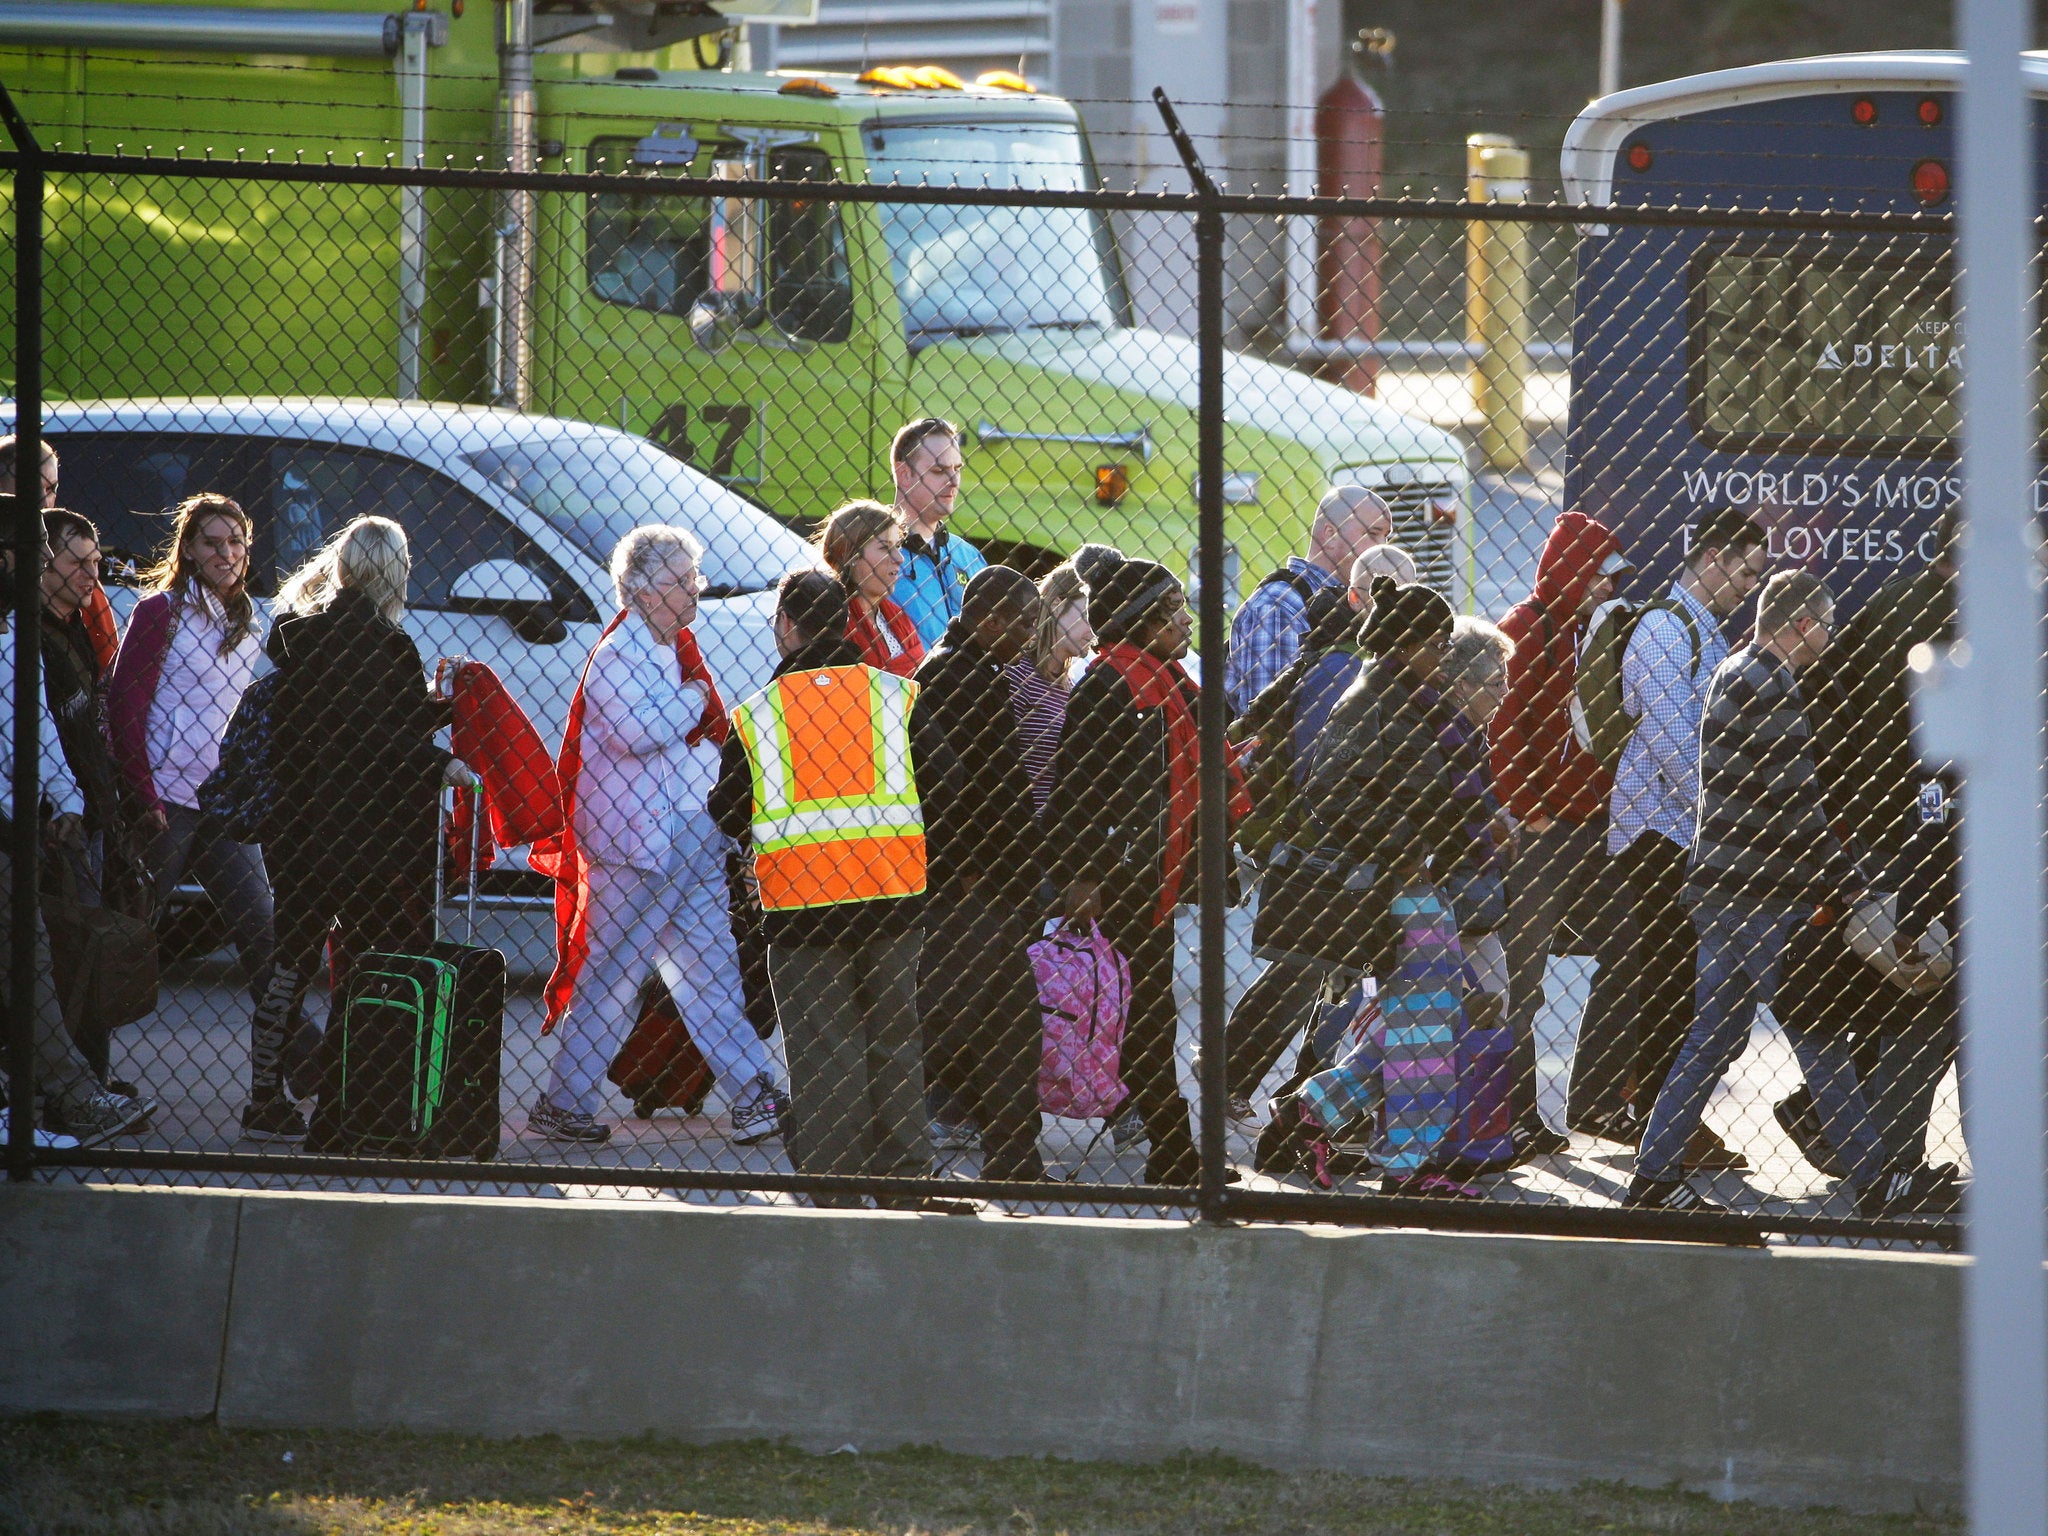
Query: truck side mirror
column 734, row 298
column 505, row 589
column 713, row 319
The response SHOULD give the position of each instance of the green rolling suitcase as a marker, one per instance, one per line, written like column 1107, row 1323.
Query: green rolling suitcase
column 413, row 1061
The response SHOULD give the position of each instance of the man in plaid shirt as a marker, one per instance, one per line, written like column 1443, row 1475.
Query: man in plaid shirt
column 1266, row 634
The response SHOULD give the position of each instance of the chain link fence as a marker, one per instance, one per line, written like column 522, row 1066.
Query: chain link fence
column 1394, row 768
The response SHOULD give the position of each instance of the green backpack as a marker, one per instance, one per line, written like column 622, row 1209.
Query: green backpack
column 1600, row 720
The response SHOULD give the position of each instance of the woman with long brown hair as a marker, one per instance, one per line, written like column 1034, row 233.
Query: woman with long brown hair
column 863, row 546
column 190, row 651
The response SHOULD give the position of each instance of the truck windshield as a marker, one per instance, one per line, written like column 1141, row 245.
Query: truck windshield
column 973, row 271
column 599, row 489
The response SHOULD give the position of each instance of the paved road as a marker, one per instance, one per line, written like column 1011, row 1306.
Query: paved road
column 192, row 1055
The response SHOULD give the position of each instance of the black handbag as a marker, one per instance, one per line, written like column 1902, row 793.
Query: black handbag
column 1824, row 989
column 1321, row 908
column 241, row 792
column 1479, row 898
column 104, row 960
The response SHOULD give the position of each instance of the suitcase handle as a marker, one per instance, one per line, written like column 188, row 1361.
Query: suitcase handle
column 446, row 807
column 476, row 841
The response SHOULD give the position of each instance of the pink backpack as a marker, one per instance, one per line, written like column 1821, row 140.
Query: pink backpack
column 1084, row 994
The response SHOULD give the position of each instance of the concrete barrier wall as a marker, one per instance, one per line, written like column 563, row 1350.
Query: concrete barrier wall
column 114, row 1302
column 1786, row 1375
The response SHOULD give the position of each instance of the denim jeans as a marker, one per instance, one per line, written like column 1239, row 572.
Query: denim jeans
column 977, row 1004
column 1911, row 1053
column 62, row 1075
column 1739, row 953
column 85, row 862
column 1273, row 1007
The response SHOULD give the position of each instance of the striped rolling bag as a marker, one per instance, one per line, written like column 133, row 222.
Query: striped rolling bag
column 1433, row 1076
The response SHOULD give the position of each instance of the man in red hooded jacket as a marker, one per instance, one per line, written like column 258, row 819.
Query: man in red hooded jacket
column 1557, row 792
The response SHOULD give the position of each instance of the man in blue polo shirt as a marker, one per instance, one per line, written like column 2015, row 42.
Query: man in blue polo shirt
column 925, row 458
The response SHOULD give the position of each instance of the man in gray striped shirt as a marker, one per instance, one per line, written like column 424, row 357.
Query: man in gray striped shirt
column 1764, row 860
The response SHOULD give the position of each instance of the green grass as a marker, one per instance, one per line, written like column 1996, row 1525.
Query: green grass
column 67, row 1478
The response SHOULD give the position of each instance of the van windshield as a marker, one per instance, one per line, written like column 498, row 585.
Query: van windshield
column 975, row 271
column 596, row 490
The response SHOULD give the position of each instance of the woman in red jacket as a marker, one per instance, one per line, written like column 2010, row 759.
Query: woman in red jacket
column 863, row 547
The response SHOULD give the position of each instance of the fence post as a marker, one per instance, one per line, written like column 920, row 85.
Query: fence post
column 1214, row 642
column 512, row 279
column 1497, row 300
column 1983, row 707
column 417, row 34
column 25, row 831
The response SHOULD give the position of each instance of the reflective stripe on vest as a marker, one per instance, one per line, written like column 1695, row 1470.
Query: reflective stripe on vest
column 836, row 813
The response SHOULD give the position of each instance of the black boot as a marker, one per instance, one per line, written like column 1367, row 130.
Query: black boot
column 1283, row 1146
column 1798, row 1119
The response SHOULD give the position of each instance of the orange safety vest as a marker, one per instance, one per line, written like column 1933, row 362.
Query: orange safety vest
column 836, row 814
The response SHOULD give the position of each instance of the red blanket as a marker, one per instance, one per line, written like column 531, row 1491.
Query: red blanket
column 559, row 855
column 493, row 735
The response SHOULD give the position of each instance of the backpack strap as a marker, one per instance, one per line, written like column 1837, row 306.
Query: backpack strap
column 1294, row 579
column 1692, row 629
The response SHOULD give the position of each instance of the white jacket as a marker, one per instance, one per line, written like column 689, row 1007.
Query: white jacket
column 196, row 694
column 640, row 800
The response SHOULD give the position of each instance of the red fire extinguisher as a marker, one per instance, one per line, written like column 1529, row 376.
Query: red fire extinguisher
column 1351, row 127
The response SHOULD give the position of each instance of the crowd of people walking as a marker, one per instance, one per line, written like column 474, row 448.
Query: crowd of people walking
column 1699, row 813
column 952, row 757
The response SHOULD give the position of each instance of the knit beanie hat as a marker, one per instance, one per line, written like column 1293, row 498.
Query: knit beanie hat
column 1405, row 615
column 1092, row 561
column 1124, row 593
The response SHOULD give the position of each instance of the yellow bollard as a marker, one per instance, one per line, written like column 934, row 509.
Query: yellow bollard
column 1497, row 300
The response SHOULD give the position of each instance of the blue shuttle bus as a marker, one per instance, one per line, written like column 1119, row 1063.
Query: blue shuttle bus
column 1807, row 378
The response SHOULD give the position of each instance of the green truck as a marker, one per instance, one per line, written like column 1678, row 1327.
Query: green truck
column 775, row 344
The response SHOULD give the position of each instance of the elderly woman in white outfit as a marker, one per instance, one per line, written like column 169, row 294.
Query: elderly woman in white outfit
column 656, row 862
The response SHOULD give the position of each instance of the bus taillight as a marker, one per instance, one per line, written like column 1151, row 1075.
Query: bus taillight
column 1930, row 182
column 1639, row 157
column 1930, row 111
column 1864, row 111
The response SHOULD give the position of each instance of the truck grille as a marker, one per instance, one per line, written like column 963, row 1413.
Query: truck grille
column 1428, row 541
